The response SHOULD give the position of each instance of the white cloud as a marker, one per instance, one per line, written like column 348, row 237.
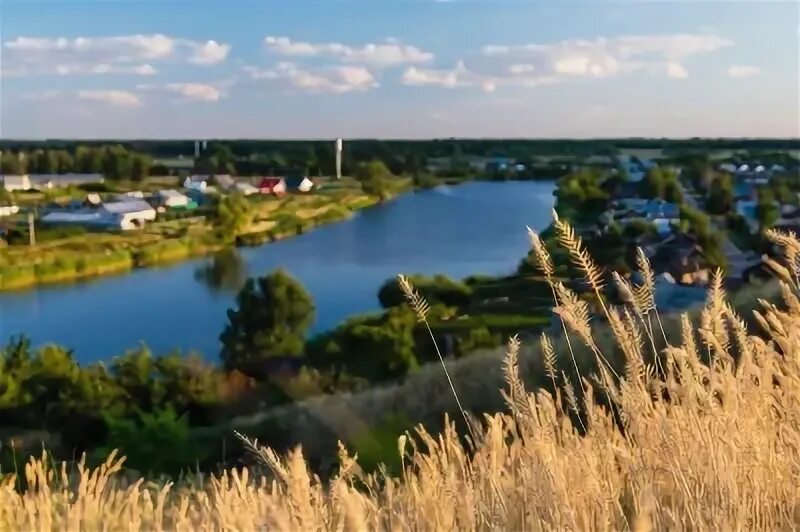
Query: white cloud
column 209, row 53
column 195, row 91
column 536, row 64
column 111, row 97
column 743, row 71
column 123, row 54
column 339, row 79
column 385, row 54
column 462, row 76
column 189, row 91
column 676, row 71
column 459, row 76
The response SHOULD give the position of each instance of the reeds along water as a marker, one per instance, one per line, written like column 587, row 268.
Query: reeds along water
column 691, row 429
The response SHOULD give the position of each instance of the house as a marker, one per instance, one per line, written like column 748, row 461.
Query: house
column 73, row 218
column 618, row 189
column 498, row 164
column 127, row 215
column 17, row 182
column 196, row 182
column 660, row 209
column 681, row 257
column 272, row 185
column 299, row 183
column 635, row 170
column 670, row 296
column 8, row 210
column 746, row 208
column 201, row 197
column 744, row 190
column 245, row 188
column 135, row 194
column 93, row 200
column 173, row 199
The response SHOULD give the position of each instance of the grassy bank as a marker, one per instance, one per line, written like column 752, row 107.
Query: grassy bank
column 74, row 255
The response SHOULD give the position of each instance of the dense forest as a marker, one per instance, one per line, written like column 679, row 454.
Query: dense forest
column 249, row 157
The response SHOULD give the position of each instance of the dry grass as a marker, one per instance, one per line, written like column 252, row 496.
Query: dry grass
column 707, row 440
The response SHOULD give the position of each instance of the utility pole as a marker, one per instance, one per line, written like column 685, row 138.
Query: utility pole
column 31, row 228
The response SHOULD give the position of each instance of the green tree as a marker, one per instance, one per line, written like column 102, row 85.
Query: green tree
column 65, row 162
column 271, row 318
column 12, row 164
column 654, row 185
column 89, row 160
column 140, row 166
column 374, row 177
column 157, row 442
column 437, row 289
column 582, row 194
column 234, row 215
column 116, row 163
column 767, row 209
column 375, row 347
column 720, row 195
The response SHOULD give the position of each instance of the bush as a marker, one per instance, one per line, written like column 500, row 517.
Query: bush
column 438, row 289
column 154, row 443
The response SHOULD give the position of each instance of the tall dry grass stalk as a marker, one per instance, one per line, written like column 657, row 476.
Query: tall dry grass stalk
column 706, row 444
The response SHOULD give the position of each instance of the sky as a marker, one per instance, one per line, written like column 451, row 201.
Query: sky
column 290, row 69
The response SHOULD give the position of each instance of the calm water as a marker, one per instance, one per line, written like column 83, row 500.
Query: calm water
column 458, row 231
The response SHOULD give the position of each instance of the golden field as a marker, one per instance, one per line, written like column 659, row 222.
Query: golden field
column 699, row 433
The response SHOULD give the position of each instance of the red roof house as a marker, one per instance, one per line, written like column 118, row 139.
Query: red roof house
column 272, row 185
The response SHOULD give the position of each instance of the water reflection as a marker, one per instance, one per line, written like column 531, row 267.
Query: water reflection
column 225, row 272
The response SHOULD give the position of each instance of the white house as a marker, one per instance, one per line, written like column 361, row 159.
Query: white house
column 17, row 182
column 172, row 199
column 127, row 215
column 135, row 194
column 93, row 200
column 8, row 210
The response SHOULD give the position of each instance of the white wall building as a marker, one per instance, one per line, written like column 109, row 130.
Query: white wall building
column 172, row 199
column 127, row 215
column 8, row 210
column 17, row 182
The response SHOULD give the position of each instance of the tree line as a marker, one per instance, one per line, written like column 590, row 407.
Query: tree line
column 113, row 161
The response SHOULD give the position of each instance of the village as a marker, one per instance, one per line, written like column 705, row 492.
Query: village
column 688, row 222
column 133, row 209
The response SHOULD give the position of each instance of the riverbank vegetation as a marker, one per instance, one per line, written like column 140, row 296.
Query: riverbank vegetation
column 71, row 253
column 598, row 407
column 267, row 362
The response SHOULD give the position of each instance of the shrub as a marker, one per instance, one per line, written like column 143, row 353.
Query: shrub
column 437, row 289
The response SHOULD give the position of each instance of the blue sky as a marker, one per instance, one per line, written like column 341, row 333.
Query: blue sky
column 398, row 69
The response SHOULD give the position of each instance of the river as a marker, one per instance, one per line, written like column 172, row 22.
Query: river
column 476, row 228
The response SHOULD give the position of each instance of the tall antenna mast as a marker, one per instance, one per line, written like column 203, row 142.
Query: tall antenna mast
column 338, row 158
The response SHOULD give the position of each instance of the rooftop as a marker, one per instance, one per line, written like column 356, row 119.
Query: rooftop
column 125, row 207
